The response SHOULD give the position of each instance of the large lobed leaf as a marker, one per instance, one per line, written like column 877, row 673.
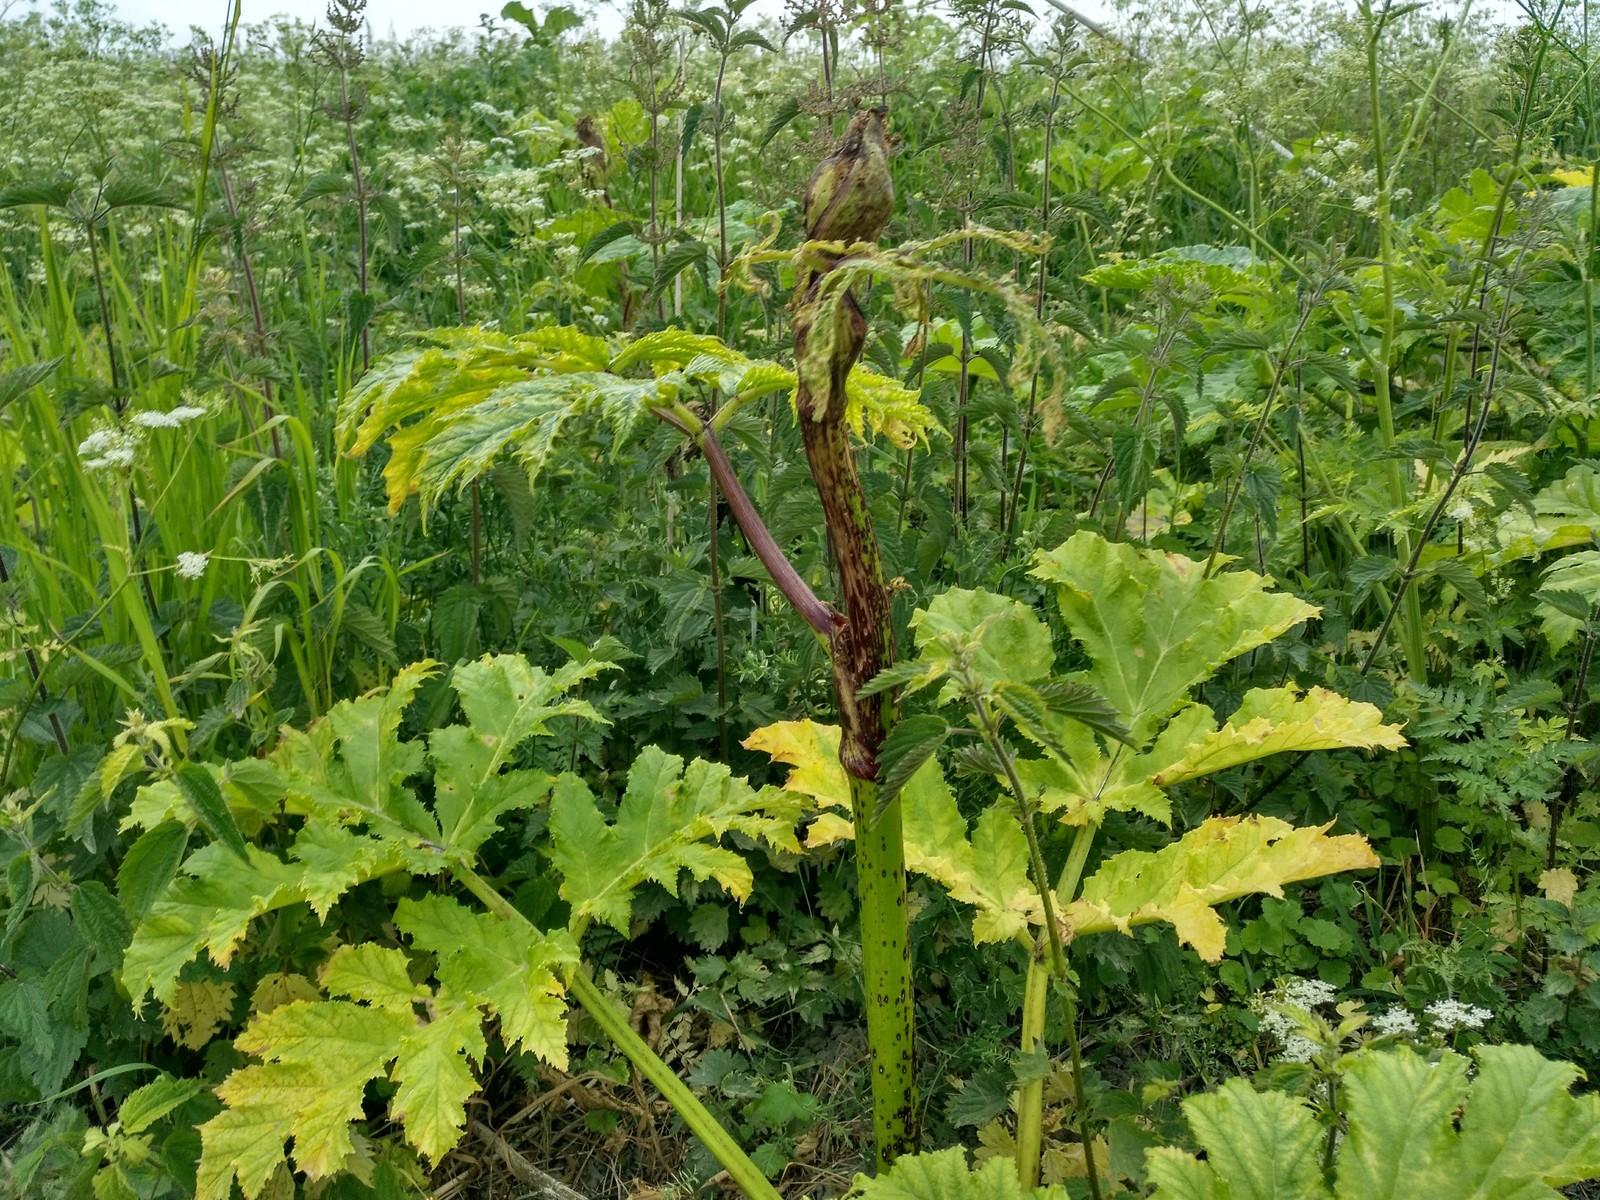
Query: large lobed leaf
column 1223, row 859
column 669, row 820
column 349, row 777
column 1088, row 780
column 452, row 409
column 1154, row 625
column 944, row 1175
column 987, row 867
column 1521, row 1135
column 319, row 1055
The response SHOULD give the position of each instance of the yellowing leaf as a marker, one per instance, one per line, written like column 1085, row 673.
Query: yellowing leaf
column 669, row 820
column 1560, row 885
column 812, row 749
column 829, row 828
column 488, row 961
column 988, row 871
column 319, row 1058
column 1275, row 720
column 434, row 1071
column 1222, row 859
column 376, row 974
column 195, row 1012
column 280, row 988
column 883, row 405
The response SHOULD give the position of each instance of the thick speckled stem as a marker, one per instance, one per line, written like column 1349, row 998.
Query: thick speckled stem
column 861, row 647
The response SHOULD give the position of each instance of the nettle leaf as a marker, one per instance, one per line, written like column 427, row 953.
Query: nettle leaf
column 1038, row 712
column 205, row 799
column 910, row 744
column 506, row 701
column 944, row 1175
column 669, row 820
column 1115, row 597
column 150, row 865
column 1220, row 860
column 1520, row 1134
column 1080, row 782
column 148, row 1104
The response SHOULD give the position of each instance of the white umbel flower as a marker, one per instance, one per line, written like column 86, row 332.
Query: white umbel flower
column 108, row 450
column 192, row 565
column 168, row 420
column 1450, row 1015
column 1394, row 1020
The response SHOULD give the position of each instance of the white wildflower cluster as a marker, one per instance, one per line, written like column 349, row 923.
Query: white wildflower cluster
column 489, row 112
column 1447, row 1016
column 1296, row 1048
column 1294, row 992
column 192, row 564
column 1346, row 147
column 1305, row 993
column 109, row 449
column 171, row 419
column 1364, row 204
column 1394, row 1020
column 517, row 192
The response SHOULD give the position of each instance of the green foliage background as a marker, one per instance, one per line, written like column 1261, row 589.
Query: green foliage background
column 1320, row 289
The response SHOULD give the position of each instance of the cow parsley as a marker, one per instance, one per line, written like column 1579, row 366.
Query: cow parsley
column 1450, row 1015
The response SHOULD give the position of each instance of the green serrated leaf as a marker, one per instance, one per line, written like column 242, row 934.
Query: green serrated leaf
column 669, row 820
column 100, row 920
column 1185, row 623
column 149, row 866
column 205, row 798
column 911, row 742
